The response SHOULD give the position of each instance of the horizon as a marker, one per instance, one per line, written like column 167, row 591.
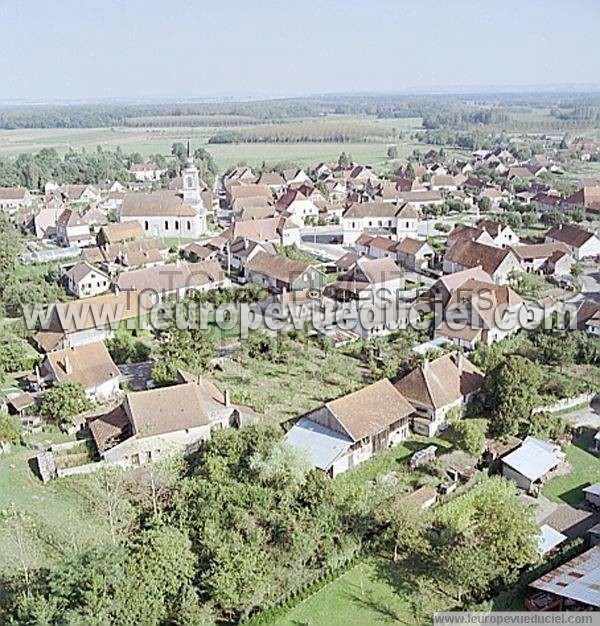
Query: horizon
column 108, row 51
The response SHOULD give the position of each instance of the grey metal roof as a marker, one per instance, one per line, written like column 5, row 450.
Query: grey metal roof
column 322, row 445
column 579, row 579
column 593, row 489
column 548, row 539
column 534, row 458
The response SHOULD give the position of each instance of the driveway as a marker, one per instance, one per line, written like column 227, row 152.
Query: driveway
column 586, row 416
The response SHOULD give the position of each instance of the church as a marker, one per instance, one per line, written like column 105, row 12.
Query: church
column 167, row 213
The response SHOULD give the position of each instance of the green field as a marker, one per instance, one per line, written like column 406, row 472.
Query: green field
column 585, row 471
column 152, row 140
column 373, row 593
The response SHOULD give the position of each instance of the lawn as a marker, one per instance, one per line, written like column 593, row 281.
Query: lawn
column 373, row 593
column 280, row 391
column 58, row 510
column 585, row 470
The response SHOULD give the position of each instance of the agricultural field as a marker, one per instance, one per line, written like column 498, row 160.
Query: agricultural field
column 369, row 138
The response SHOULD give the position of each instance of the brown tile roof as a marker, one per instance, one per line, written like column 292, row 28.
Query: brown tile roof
column 410, row 246
column 455, row 280
column 470, row 254
column 372, row 209
column 160, row 203
column 373, row 271
column 167, row 409
column 539, row 250
column 110, row 427
column 250, row 191
column 12, row 193
column 370, row 409
column 70, row 218
column 168, row 278
column 80, row 270
column 347, row 260
column 570, row 235
column 276, row 266
column 436, row 384
column 270, row 178
column 123, row 231
column 89, row 364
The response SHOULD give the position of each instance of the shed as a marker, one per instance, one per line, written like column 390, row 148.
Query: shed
column 549, row 539
column 592, row 494
column 530, row 463
column 423, row 456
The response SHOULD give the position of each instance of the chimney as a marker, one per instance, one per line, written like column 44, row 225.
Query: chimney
column 226, row 397
column 68, row 366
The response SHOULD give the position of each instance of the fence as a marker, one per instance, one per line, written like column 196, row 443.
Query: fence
column 567, row 403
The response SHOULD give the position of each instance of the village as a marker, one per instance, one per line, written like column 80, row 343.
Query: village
column 479, row 357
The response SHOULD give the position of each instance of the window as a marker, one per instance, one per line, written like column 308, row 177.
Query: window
column 146, row 225
column 189, row 225
column 176, row 224
column 166, row 225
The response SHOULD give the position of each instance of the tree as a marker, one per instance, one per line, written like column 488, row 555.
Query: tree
column 469, row 435
column 344, row 160
column 511, row 392
column 124, row 348
column 179, row 151
column 483, row 536
column 64, row 401
column 576, row 270
column 392, row 152
column 9, row 429
column 485, row 204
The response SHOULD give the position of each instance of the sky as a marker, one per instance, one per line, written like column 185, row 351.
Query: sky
column 87, row 49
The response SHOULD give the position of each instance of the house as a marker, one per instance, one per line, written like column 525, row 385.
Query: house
column 443, row 181
column 499, row 263
column 545, row 258
column 114, row 257
column 572, row 586
column 467, row 232
column 77, row 193
column 440, row 389
column 44, row 222
column 297, row 207
column 581, row 243
column 295, row 176
column 592, row 495
column 545, row 202
column 146, row 172
column 279, row 273
column 369, row 280
column 90, row 365
column 414, row 254
column 587, row 197
column 529, row 465
column 195, row 252
column 175, row 280
column 588, row 316
column 154, row 424
column 421, row 198
column 444, row 287
column 12, row 199
column 398, row 220
column 164, row 214
column 88, row 320
column 346, row 261
column 480, row 311
column 502, row 235
column 72, row 230
column 350, row 430
column 119, row 232
column 83, row 280
column 280, row 231
column 249, row 192
column 273, row 180
column 242, row 250
column 111, row 186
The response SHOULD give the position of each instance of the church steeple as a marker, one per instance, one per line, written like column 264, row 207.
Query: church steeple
column 190, row 180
